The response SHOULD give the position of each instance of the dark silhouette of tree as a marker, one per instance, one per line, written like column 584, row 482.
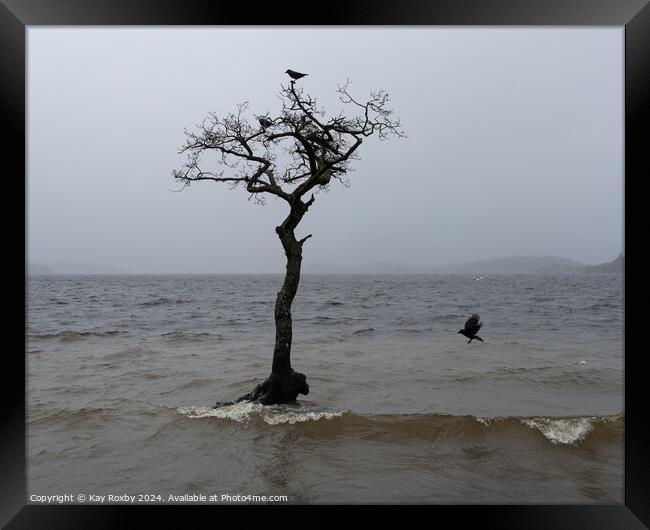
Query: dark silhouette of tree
column 290, row 156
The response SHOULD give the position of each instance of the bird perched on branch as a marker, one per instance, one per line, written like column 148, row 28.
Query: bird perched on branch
column 264, row 121
column 295, row 75
column 472, row 326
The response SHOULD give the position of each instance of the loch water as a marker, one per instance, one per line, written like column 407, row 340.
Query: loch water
column 123, row 372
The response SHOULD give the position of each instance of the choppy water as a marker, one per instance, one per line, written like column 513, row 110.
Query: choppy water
column 123, row 371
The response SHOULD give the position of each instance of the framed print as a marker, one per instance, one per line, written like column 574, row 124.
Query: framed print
column 378, row 260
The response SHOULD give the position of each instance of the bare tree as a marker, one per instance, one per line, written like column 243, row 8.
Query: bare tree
column 290, row 156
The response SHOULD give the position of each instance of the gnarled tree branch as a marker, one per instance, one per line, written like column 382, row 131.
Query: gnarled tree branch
column 290, row 154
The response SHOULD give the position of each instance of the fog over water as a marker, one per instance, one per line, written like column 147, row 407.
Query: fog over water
column 515, row 145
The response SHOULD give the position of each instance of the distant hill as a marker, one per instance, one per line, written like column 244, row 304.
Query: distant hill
column 367, row 268
column 516, row 265
column 72, row 267
column 37, row 268
column 510, row 265
column 617, row 265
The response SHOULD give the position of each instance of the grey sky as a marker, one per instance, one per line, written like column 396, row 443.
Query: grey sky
column 515, row 145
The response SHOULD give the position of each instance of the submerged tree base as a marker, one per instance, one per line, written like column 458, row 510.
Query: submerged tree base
column 277, row 389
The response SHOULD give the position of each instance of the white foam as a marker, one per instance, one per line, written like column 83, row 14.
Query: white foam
column 487, row 421
column 561, row 430
column 272, row 414
column 238, row 412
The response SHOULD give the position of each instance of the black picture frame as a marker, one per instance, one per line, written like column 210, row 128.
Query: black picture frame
column 633, row 15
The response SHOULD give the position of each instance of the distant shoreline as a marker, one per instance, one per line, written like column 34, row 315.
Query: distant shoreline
column 510, row 265
column 485, row 275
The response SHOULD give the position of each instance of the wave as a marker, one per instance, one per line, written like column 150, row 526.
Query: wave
column 604, row 305
column 322, row 320
column 321, row 422
column 70, row 335
column 566, row 430
column 179, row 335
column 136, row 352
column 273, row 414
column 569, row 431
column 571, row 375
column 39, row 415
column 163, row 300
column 197, row 382
column 449, row 316
column 412, row 330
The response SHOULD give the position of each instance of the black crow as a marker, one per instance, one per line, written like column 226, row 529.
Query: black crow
column 295, row 75
column 472, row 326
column 264, row 121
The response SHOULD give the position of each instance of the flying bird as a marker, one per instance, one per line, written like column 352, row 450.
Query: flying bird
column 472, row 327
column 295, row 75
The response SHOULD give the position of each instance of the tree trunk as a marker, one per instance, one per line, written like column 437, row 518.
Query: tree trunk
column 284, row 384
column 283, row 323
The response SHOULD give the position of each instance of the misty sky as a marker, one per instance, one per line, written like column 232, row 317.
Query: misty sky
column 515, row 145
